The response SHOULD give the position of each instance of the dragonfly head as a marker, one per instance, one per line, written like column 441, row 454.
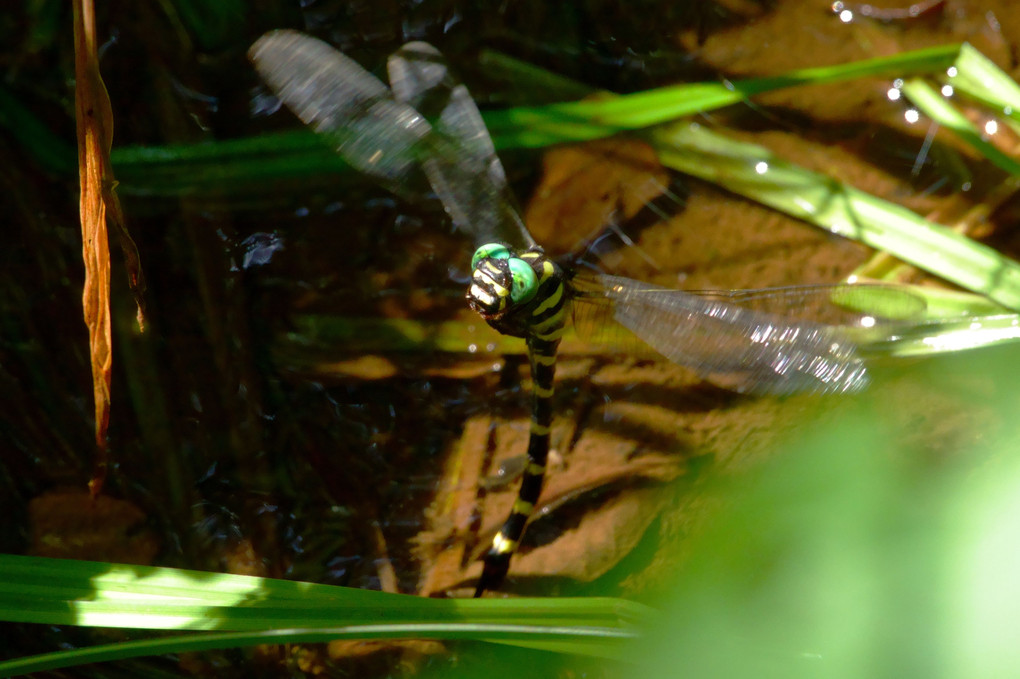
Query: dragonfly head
column 499, row 281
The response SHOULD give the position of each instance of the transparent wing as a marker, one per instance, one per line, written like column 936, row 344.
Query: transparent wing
column 386, row 137
column 834, row 304
column 471, row 181
column 339, row 99
column 743, row 339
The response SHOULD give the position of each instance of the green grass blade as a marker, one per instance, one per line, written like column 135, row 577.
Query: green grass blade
column 224, row 167
column 886, row 301
column 755, row 172
column 536, row 126
column 977, row 77
column 602, row 643
column 938, row 108
column 65, row 592
column 942, row 303
column 57, row 591
column 947, row 336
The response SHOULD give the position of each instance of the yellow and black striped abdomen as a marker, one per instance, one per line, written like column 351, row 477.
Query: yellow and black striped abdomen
column 544, row 326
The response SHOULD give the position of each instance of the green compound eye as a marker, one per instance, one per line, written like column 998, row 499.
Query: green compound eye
column 524, row 281
column 490, row 250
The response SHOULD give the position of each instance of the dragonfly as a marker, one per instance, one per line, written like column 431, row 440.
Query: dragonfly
column 425, row 122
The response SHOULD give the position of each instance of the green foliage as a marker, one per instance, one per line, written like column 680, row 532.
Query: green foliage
column 242, row 611
column 856, row 554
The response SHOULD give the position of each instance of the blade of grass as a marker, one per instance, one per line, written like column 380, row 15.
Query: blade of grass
column 579, row 641
column 942, row 303
column 947, row 336
column 66, row 592
column 976, row 76
column 756, row 173
column 585, row 120
column 224, row 167
column 938, row 108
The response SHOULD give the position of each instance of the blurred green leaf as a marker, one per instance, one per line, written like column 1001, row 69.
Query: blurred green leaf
column 855, row 553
